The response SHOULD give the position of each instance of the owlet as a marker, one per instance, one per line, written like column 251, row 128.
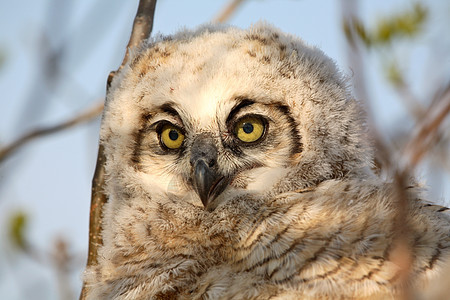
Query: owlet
column 238, row 167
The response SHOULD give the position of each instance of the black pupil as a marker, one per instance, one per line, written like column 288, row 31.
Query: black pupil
column 247, row 127
column 173, row 135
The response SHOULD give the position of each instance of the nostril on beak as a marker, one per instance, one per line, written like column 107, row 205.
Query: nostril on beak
column 212, row 163
column 204, row 148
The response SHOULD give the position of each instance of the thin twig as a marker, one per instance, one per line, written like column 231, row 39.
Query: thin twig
column 426, row 133
column 354, row 53
column 228, row 11
column 411, row 103
column 86, row 116
column 62, row 260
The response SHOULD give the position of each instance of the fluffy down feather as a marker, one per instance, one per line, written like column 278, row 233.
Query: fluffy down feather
column 295, row 214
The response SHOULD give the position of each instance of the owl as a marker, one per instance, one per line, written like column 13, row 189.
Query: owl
column 239, row 167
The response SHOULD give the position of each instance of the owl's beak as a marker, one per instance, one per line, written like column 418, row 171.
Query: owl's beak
column 207, row 180
column 208, row 183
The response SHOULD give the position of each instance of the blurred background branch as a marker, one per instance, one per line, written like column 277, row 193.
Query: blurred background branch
column 57, row 257
column 402, row 161
column 86, row 116
column 230, row 8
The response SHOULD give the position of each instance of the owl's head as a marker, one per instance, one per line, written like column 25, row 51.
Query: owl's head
column 204, row 115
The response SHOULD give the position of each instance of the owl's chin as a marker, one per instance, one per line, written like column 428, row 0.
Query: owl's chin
column 217, row 201
column 215, row 193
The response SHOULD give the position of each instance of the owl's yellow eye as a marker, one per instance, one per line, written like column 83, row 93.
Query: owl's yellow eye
column 171, row 136
column 249, row 129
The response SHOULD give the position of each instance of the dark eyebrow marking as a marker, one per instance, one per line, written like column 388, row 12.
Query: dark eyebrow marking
column 244, row 102
column 168, row 108
column 297, row 146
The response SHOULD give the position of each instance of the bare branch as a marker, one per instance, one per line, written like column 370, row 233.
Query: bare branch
column 228, row 10
column 142, row 26
column 86, row 116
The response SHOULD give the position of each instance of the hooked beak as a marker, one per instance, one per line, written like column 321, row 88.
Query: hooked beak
column 207, row 181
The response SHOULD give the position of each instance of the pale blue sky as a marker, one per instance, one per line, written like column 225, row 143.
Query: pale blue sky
column 50, row 179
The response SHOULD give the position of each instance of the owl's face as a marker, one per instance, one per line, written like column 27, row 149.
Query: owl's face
column 206, row 115
column 242, row 143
